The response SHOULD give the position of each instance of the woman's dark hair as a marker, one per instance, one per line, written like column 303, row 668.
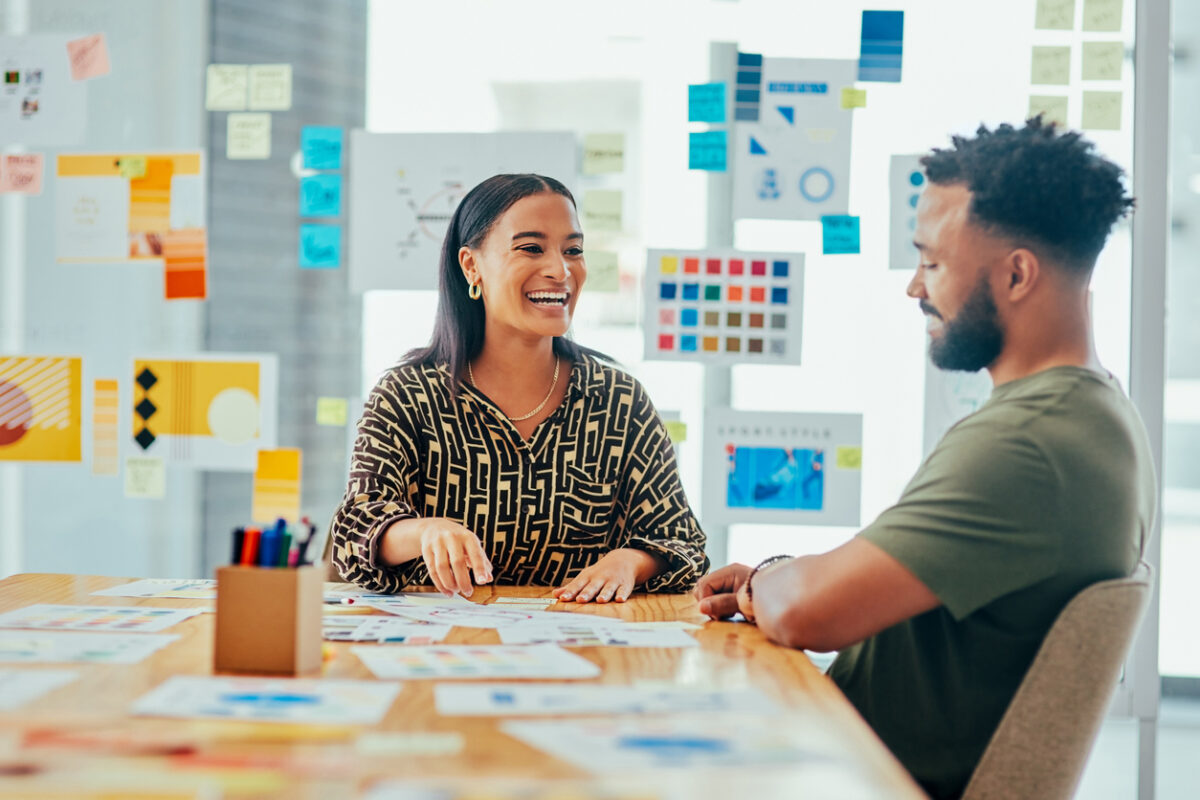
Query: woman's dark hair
column 459, row 326
column 1038, row 185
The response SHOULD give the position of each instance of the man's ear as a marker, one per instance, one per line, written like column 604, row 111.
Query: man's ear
column 1023, row 270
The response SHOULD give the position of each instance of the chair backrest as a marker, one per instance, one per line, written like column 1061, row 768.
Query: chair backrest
column 1043, row 741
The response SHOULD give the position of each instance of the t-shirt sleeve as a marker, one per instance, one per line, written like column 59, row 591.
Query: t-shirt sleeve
column 979, row 520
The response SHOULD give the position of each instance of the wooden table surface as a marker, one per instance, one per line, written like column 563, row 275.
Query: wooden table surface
column 78, row 741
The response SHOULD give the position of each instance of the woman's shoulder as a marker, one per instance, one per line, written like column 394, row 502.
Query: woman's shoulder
column 608, row 380
column 407, row 379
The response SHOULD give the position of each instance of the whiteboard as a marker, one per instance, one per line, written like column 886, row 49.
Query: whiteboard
column 404, row 188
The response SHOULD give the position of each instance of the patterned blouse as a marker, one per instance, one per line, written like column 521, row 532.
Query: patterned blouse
column 598, row 474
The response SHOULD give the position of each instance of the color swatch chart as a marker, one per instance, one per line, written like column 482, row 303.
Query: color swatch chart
column 724, row 307
column 480, row 661
column 125, row 619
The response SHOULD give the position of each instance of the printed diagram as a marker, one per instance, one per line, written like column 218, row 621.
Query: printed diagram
column 431, row 218
column 773, row 477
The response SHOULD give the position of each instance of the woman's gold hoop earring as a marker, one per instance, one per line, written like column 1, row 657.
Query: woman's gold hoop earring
column 475, row 292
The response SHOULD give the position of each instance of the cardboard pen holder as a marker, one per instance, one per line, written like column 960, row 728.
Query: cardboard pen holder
column 269, row 620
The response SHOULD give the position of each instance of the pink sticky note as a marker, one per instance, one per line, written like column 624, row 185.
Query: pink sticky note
column 89, row 57
column 22, row 173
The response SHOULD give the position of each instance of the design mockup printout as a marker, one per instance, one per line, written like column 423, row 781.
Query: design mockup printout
column 312, row 701
column 475, row 661
column 525, row 699
column 112, row 619
column 54, row 647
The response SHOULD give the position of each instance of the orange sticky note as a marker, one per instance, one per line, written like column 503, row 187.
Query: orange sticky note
column 22, row 173
column 89, row 57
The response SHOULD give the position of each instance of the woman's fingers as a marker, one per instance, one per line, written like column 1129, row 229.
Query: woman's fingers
column 589, row 591
column 441, row 563
column 431, row 567
column 607, row 592
column 478, row 560
column 462, row 573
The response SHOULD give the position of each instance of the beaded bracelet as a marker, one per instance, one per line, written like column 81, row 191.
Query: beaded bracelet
column 761, row 566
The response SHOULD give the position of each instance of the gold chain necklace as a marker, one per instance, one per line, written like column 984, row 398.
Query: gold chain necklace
column 540, row 406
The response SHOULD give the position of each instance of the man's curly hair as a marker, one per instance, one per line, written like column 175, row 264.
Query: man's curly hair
column 1035, row 185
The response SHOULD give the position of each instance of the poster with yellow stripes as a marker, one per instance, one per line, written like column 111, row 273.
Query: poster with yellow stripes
column 41, row 408
column 134, row 207
column 209, row 411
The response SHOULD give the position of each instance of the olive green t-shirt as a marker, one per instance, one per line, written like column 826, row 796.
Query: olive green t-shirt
column 1047, row 488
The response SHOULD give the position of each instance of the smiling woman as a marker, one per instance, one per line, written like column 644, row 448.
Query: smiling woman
column 454, row 475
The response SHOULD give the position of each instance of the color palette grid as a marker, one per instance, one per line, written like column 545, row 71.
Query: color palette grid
column 105, row 410
column 748, row 89
column 723, row 307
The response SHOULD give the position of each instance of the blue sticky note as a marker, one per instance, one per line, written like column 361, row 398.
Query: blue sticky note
column 320, row 246
column 882, row 47
column 321, row 146
column 321, row 196
column 707, row 150
column 706, row 102
column 839, row 234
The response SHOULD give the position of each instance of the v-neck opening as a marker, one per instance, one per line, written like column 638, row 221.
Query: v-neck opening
column 494, row 407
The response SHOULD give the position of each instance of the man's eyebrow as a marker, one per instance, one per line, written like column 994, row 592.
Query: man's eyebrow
column 920, row 246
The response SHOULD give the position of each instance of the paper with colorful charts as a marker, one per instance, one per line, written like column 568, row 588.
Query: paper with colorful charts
column 723, row 306
column 782, row 468
column 113, row 619
column 299, row 700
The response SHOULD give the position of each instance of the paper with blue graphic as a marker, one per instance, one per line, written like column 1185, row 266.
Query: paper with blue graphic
column 320, row 246
column 882, row 47
column 706, row 102
column 839, row 235
column 321, row 146
column 303, row 700
column 793, row 161
column 906, row 181
column 321, row 196
column 707, row 150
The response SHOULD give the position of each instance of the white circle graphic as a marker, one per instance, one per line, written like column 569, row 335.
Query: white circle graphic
column 233, row 416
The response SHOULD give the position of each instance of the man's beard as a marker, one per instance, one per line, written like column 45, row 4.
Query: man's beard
column 973, row 339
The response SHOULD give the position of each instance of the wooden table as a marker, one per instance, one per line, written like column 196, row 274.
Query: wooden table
column 80, row 738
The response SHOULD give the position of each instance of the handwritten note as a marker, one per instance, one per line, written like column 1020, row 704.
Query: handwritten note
column 145, row 478
column 1103, row 61
column 227, row 87
column 332, row 411
column 88, row 57
column 602, row 272
column 602, row 210
column 247, row 136
column 320, row 246
column 1052, row 108
column 839, row 234
column 270, row 87
column 603, row 153
column 22, row 173
column 1055, row 15
column 321, row 196
column 1101, row 111
column 853, row 98
column 1102, row 16
column 321, row 146
column 706, row 102
column 1051, row 65
column 708, row 150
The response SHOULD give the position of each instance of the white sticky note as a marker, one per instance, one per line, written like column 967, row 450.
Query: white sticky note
column 1053, row 108
column 602, row 272
column 227, row 87
column 1102, row 16
column 270, row 87
column 1103, row 61
column 145, row 478
column 602, row 210
column 1055, row 15
column 248, row 135
column 1051, row 65
column 1101, row 111
column 603, row 153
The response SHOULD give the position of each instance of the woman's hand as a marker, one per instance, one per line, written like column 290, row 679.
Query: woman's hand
column 613, row 577
column 450, row 551
column 720, row 592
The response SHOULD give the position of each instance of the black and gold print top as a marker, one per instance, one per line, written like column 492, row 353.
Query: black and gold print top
column 596, row 475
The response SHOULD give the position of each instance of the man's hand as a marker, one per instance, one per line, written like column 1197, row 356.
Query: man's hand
column 717, row 592
column 613, row 577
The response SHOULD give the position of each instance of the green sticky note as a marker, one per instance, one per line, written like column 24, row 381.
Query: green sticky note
column 677, row 431
column 1101, row 111
column 849, row 458
column 1053, row 108
column 602, row 210
column 603, row 153
column 132, row 166
column 331, row 411
column 1102, row 16
column 853, row 98
column 1103, row 61
column 602, row 272
column 1051, row 65
column 1055, row 15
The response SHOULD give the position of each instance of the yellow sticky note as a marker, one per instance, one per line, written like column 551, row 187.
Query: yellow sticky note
column 248, row 135
column 145, row 478
column 270, row 87
column 1102, row 16
column 1103, row 61
column 1101, row 111
column 1055, row 15
column 603, row 152
column 602, row 210
column 1053, row 108
column 854, row 98
column 849, row 457
column 331, row 411
column 132, row 166
column 669, row 265
column 226, row 87
column 603, row 274
column 1051, row 65
column 677, row 431
column 277, row 485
